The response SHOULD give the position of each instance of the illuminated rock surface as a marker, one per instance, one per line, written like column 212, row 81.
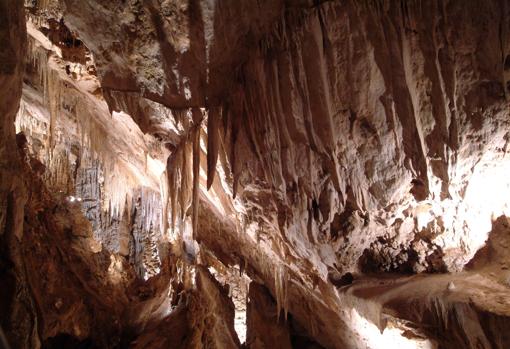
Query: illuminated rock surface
column 266, row 174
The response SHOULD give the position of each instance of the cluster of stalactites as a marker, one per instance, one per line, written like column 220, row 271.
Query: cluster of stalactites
column 183, row 168
column 184, row 164
column 72, row 134
column 280, row 284
column 146, row 215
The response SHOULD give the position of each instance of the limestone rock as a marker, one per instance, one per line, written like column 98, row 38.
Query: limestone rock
column 349, row 158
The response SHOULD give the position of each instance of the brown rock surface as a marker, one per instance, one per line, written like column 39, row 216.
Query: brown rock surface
column 16, row 305
column 203, row 319
column 325, row 150
column 466, row 310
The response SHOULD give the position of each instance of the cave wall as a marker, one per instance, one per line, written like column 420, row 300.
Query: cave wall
column 265, row 328
column 360, row 117
column 299, row 140
column 82, row 153
column 204, row 318
column 83, row 243
column 16, row 303
column 354, row 136
column 56, row 288
column 355, row 120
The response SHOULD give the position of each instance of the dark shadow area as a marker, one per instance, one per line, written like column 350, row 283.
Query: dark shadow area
column 66, row 341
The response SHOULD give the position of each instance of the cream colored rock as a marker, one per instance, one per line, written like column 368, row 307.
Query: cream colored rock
column 306, row 142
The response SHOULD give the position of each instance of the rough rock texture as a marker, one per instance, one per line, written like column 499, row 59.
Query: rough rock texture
column 86, row 157
column 265, row 328
column 204, row 318
column 17, row 307
column 309, row 144
column 69, row 283
column 455, row 311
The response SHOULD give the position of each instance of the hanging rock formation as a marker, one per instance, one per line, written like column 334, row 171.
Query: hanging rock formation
column 257, row 174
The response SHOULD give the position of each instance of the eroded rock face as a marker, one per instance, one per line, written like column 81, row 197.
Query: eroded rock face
column 265, row 330
column 17, row 308
column 323, row 86
column 453, row 311
column 92, row 159
column 306, row 142
column 349, row 82
column 203, row 319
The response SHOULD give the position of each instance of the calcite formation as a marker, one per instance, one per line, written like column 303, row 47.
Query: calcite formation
column 256, row 174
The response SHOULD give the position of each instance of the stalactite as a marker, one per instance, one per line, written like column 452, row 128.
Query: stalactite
column 146, row 233
column 37, row 58
column 280, row 281
column 20, row 122
column 44, row 4
column 196, row 178
column 182, row 166
column 234, row 124
column 53, row 101
column 173, row 171
column 213, row 124
column 165, row 192
column 186, row 179
column 87, row 163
